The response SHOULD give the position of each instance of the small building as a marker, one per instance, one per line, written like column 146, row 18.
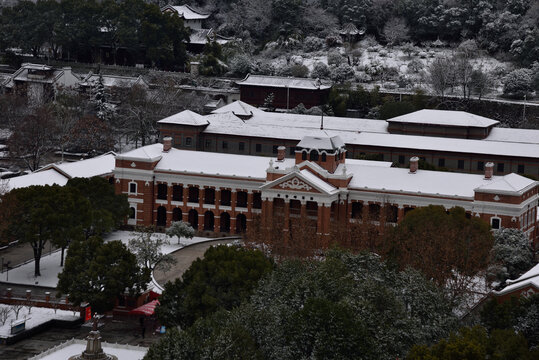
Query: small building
column 526, row 285
column 39, row 83
column 288, row 92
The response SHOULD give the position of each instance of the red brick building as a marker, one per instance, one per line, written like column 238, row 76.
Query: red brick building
column 453, row 140
column 222, row 193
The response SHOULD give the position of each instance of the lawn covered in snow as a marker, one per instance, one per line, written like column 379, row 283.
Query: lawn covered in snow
column 35, row 317
column 50, row 262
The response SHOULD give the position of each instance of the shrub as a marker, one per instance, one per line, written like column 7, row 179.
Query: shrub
column 320, row 70
column 241, row 65
column 517, row 83
column 334, row 58
column 342, row 73
column 312, row 43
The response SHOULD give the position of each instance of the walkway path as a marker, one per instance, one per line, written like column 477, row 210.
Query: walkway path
column 184, row 258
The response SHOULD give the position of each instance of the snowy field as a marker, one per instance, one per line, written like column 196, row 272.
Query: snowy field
column 37, row 316
column 76, row 347
column 50, row 262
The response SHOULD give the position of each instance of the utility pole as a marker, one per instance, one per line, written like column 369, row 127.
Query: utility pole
column 524, row 110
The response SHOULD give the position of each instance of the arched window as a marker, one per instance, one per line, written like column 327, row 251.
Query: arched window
column 208, row 221
column 225, row 222
column 193, row 218
column 313, row 156
column 324, row 157
column 177, row 214
column 303, row 155
column 161, row 216
column 241, row 223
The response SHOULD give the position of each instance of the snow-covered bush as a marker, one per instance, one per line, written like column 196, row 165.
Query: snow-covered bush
column 320, row 70
column 333, row 40
column 423, row 54
column 342, row 73
column 363, row 77
column 265, row 68
column 296, row 59
column 517, row 83
column 312, row 43
column 382, row 53
column 241, row 65
column 335, row 58
column 294, row 70
column 415, row 66
column 511, row 254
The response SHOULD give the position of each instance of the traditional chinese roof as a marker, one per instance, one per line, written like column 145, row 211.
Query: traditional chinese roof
column 283, row 82
column 351, row 29
column 187, row 12
column 50, row 75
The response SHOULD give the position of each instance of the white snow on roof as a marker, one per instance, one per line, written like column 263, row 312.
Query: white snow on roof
column 96, row 166
column 47, row 177
column 444, row 117
column 398, row 180
column 530, row 136
column 282, row 81
column 200, row 36
column 529, row 278
column 150, row 152
column 315, row 180
column 113, row 80
column 510, row 183
column 238, row 108
column 186, row 117
column 188, row 12
column 211, row 163
column 322, row 141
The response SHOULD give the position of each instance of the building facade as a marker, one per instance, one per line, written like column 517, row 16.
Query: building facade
column 451, row 140
column 224, row 193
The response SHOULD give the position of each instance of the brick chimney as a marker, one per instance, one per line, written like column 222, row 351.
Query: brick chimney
column 489, row 170
column 281, row 150
column 414, row 164
column 167, row 143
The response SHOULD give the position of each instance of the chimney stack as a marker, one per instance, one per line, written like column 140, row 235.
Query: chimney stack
column 414, row 164
column 167, row 143
column 281, row 150
column 489, row 170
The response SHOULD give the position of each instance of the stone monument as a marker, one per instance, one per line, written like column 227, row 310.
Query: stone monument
column 93, row 346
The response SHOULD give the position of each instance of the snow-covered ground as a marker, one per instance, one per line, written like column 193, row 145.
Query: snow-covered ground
column 37, row 316
column 50, row 262
column 76, row 347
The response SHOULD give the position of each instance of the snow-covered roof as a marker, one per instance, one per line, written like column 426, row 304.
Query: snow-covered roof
column 530, row 136
column 238, row 108
column 200, row 36
column 210, row 163
column 63, row 76
column 97, row 166
column 186, row 117
column 445, row 118
column 114, row 80
column 282, row 82
column 511, row 184
column 187, row 12
column 47, row 177
column 351, row 29
column 529, row 278
column 315, row 180
column 321, row 141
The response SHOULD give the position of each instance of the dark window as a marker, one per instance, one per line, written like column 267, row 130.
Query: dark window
column 208, row 144
column 241, row 146
column 176, row 214
column 323, row 157
column 520, row 169
column 401, row 159
column 257, row 201
column 225, row 145
column 303, row 155
column 241, row 199
column 495, row 223
column 225, row 222
column 132, row 212
column 209, row 196
column 162, row 191
column 292, row 150
column 192, row 218
column 460, row 164
column 501, row 167
column 177, row 192
column 313, row 156
column 209, row 221
column 480, row 165
column 193, row 194
column 241, row 223
column 441, row 162
column 188, row 141
column 161, row 216
column 133, row 188
column 357, row 210
column 392, row 213
column 225, row 197
column 258, row 147
column 274, row 149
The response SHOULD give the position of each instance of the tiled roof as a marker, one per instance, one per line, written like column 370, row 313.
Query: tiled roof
column 283, row 81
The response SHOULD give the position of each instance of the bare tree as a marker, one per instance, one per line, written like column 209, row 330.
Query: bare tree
column 396, row 31
column 441, row 75
column 17, row 309
column 4, row 314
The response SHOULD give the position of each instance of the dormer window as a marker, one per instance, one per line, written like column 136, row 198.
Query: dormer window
column 303, row 155
column 324, row 157
column 314, row 155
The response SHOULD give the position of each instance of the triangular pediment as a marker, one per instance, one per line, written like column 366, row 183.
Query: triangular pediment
column 302, row 181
